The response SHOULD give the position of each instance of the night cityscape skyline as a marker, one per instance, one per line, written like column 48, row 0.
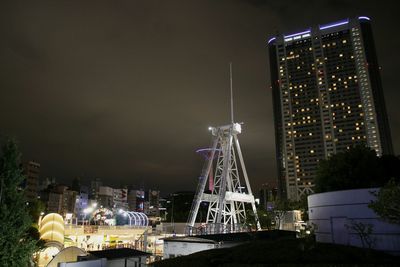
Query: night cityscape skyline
column 125, row 92
column 203, row 132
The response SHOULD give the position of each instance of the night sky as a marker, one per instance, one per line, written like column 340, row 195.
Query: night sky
column 125, row 90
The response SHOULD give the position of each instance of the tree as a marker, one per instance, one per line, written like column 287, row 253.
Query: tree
column 265, row 219
column 16, row 242
column 35, row 209
column 281, row 208
column 387, row 203
column 358, row 167
column 301, row 205
column 364, row 233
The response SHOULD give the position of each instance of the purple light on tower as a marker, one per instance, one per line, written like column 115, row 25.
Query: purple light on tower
column 271, row 40
column 207, row 152
column 335, row 24
column 297, row 33
column 363, row 18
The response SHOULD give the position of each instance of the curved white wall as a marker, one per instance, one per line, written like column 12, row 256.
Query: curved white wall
column 334, row 212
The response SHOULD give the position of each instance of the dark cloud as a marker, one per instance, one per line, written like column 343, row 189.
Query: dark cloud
column 125, row 90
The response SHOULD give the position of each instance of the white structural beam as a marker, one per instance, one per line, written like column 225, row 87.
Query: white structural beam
column 231, row 186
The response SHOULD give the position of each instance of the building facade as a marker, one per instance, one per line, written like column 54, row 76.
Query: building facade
column 94, row 188
column 59, row 199
column 136, row 200
column 121, row 198
column 154, row 203
column 70, row 199
column 327, row 97
column 105, row 197
column 268, row 195
column 31, row 172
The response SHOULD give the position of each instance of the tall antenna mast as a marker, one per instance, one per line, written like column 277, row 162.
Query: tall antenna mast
column 230, row 71
column 225, row 172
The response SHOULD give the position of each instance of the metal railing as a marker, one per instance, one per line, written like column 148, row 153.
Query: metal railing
column 216, row 228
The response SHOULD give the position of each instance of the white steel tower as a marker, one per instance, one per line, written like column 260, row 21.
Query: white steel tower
column 231, row 188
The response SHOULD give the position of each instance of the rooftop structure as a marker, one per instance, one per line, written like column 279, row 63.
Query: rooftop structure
column 31, row 172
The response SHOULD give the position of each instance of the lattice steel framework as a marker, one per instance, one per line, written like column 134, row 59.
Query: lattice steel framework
column 226, row 210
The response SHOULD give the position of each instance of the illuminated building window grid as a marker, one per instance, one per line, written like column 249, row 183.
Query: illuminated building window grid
column 329, row 147
column 300, row 124
column 343, row 109
column 366, row 93
column 295, row 97
column 287, row 154
column 346, row 118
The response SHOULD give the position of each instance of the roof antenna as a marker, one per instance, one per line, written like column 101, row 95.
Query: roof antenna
column 230, row 71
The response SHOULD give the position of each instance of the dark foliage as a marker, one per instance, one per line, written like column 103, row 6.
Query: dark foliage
column 387, row 204
column 358, row 167
column 18, row 240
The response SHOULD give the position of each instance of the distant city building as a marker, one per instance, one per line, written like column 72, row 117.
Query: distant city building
column 105, row 196
column 327, row 97
column 45, row 183
column 120, row 199
column 31, row 183
column 146, row 207
column 82, row 201
column 163, row 208
column 59, row 199
column 131, row 199
column 69, row 200
column 136, row 200
column 94, row 188
column 53, row 197
column 268, row 196
column 154, row 203
column 53, row 202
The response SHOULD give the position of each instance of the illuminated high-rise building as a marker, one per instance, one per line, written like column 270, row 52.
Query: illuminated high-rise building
column 327, row 97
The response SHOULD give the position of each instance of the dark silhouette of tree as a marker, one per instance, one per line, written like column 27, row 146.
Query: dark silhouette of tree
column 358, row 167
column 387, row 203
column 35, row 208
column 265, row 218
column 389, row 167
column 16, row 242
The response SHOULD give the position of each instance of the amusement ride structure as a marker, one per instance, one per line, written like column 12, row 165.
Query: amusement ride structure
column 228, row 191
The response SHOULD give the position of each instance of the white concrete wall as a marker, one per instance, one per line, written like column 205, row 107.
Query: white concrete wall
column 334, row 212
column 131, row 262
column 184, row 248
column 91, row 263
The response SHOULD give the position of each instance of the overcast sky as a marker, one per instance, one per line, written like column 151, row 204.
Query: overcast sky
column 125, row 90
